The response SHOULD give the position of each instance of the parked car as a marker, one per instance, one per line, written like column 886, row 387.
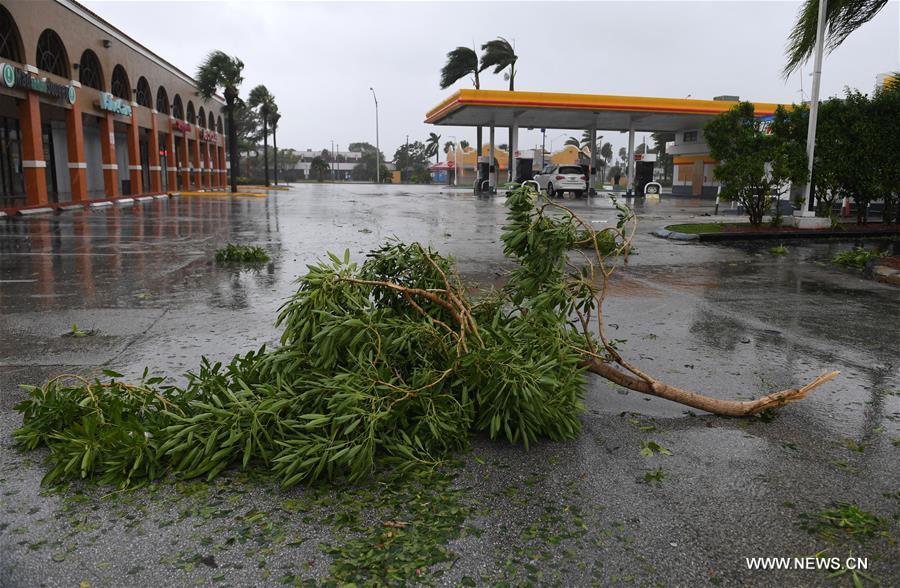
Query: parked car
column 556, row 179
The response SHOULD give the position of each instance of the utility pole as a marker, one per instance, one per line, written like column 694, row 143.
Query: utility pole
column 807, row 209
column 377, row 146
column 332, row 160
column 406, row 159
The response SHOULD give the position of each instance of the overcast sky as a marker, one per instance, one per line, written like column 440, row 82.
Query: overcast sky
column 319, row 59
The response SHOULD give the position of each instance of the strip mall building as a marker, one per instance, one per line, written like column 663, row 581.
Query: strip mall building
column 87, row 113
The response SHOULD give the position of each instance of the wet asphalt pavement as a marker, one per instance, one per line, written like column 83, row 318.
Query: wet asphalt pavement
column 727, row 320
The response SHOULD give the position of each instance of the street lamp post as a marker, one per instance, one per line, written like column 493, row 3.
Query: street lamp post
column 543, row 144
column 377, row 146
column 554, row 139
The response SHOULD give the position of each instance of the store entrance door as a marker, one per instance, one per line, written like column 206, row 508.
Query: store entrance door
column 12, row 181
column 50, row 159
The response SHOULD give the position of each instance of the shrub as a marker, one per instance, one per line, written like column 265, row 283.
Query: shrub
column 232, row 253
column 857, row 257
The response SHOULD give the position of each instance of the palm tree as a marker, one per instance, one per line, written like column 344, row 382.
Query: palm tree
column 500, row 54
column 842, row 17
column 318, row 168
column 275, row 116
column 463, row 144
column 432, row 145
column 219, row 70
column 462, row 62
column 572, row 141
column 606, row 152
column 264, row 102
column 449, row 146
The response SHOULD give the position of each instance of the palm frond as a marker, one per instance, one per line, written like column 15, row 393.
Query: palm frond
column 219, row 70
column 498, row 54
column 842, row 17
column 461, row 62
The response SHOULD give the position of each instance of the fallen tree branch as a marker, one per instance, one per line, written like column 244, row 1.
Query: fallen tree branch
column 732, row 408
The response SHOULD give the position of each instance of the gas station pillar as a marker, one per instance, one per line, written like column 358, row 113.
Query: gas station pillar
column 629, row 189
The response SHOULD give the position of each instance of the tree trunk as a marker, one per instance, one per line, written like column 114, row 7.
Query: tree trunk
column 232, row 146
column 275, row 153
column 266, row 149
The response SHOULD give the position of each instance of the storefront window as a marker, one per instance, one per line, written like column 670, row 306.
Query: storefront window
column 12, row 184
column 162, row 101
column 10, row 42
column 89, row 72
column 119, row 87
column 144, row 95
column 51, row 54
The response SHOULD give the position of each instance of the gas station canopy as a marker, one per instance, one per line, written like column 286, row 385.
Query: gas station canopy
column 471, row 108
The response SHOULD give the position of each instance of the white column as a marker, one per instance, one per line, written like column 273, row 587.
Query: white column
column 630, row 169
column 492, row 177
column 513, row 147
column 593, row 160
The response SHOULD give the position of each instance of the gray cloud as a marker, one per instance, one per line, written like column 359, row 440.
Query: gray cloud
column 319, row 59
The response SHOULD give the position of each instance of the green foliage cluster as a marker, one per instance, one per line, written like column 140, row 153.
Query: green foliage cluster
column 605, row 241
column 857, row 257
column 232, row 253
column 843, row 520
column 387, row 364
column 857, row 139
column 757, row 164
column 318, row 168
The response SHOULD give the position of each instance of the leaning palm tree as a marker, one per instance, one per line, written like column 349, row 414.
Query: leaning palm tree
column 606, row 151
column 462, row 62
column 500, row 55
column 275, row 116
column 842, row 17
column 264, row 102
column 449, row 146
column 219, row 70
column 432, row 146
column 572, row 141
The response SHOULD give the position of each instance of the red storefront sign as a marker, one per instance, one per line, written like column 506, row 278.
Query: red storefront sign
column 208, row 136
column 180, row 125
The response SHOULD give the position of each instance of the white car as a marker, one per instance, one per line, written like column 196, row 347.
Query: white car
column 556, row 179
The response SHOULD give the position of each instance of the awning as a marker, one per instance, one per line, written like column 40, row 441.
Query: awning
column 469, row 108
column 442, row 166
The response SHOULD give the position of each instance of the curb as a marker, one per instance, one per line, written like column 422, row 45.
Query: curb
column 881, row 272
column 717, row 237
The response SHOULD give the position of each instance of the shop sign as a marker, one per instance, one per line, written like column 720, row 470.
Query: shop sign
column 208, row 136
column 114, row 105
column 14, row 77
column 180, row 125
